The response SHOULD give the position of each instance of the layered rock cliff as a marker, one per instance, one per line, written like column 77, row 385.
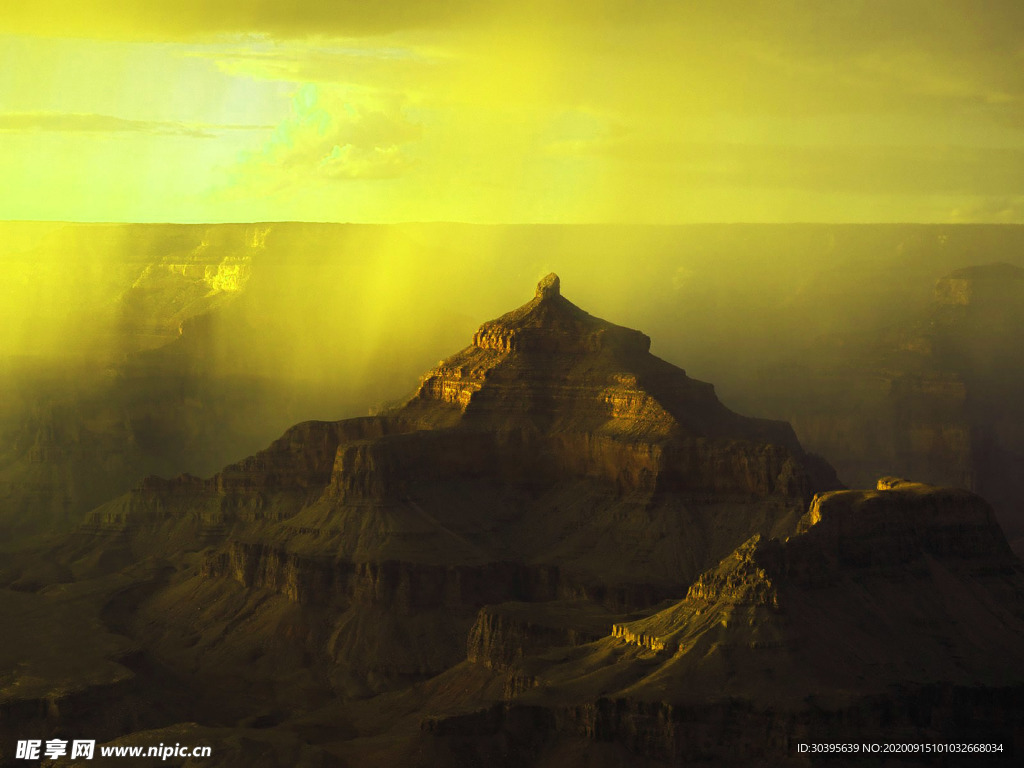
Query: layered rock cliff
column 552, row 459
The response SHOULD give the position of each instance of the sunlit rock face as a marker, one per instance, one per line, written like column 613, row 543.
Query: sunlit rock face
column 137, row 385
column 171, row 293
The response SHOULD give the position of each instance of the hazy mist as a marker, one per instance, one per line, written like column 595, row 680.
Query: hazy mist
column 136, row 349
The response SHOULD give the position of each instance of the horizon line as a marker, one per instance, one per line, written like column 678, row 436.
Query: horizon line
column 436, row 222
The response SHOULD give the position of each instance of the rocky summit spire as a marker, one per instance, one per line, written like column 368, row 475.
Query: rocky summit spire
column 550, row 323
column 548, row 286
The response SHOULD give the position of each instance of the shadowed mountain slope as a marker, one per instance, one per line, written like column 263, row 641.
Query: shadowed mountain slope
column 559, row 550
column 894, row 616
column 553, row 459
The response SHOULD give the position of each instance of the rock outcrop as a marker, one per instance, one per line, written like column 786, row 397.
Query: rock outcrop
column 979, row 285
column 503, row 635
column 891, row 617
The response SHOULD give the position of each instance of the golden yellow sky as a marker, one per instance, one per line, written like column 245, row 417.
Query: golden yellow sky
column 559, row 111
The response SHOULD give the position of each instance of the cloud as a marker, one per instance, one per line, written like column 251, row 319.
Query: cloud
column 332, row 135
column 806, row 24
column 776, row 56
column 900, row 169
column 546, row 109
column 352, row 162
column 200, row 19
column 71, row 122
column 377, row 64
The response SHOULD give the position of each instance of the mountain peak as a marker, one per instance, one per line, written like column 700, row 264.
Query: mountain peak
column 549, row 285
column 553, row 324
column 552, row 367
